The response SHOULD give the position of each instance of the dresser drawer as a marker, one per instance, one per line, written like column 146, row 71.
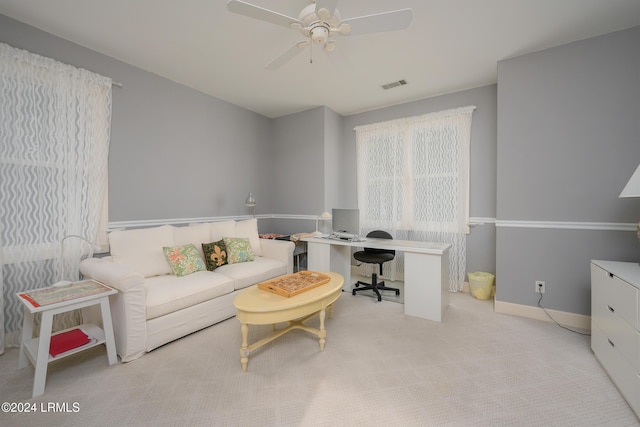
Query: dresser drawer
column 614, row 294
column 624, row 376
column 620, row 335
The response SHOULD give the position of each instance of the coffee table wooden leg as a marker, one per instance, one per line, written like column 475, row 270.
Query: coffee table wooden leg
column 244, row 350
column 322, row 333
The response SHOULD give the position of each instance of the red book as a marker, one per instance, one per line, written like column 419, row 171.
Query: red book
column 66, row 341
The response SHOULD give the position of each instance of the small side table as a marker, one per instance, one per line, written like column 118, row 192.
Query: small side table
column 300, row 251
column 37, row 349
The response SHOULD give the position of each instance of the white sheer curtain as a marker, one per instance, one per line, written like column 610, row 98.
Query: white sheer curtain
column 413, row 181
column 55, row 122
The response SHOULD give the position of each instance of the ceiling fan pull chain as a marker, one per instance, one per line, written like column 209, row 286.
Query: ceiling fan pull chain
column 311, row 52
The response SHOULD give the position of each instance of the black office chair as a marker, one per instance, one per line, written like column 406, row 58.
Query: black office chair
column 375, row 256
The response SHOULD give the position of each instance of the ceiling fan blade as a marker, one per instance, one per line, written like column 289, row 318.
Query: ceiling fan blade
column 325, row 8
column 379, row 22
column 287, row 55
column 257, row 12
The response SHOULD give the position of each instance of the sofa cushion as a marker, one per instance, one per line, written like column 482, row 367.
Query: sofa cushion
column 197, row 234
column 238, row 250
column 215, row 254
column 166, row 294
column 184, row 259
column 249, row 229
column 220, row 229
column 250, row 273
column 141, row 249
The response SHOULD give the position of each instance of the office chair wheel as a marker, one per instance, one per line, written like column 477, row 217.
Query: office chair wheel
column 398, row 293
column 353, row 292
column 357, row 285
column 379, row 298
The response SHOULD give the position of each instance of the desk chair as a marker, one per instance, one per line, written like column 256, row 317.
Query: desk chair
column 375, row 256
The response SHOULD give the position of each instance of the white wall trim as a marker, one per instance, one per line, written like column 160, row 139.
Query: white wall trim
column 120, row 225
column 473, row 221
column 570, row 320
column 567, row 225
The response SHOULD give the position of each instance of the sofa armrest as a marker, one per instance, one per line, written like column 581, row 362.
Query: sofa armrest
column 118, row 276
column 128, row 306
column 281, row 250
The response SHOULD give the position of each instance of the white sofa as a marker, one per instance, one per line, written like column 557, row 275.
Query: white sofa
column 153, row 306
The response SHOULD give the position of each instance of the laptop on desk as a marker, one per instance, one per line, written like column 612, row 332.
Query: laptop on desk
column 343, row 235
column 345, row 224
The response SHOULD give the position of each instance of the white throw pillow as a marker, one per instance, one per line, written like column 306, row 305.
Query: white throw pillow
column 141, row 249
column 249, row 229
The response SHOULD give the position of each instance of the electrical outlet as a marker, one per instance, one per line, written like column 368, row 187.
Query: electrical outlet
column 539, row 287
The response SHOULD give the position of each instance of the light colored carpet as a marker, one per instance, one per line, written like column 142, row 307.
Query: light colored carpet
column 379, row 368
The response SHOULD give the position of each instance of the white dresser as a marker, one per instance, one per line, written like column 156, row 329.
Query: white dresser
column 615, row 325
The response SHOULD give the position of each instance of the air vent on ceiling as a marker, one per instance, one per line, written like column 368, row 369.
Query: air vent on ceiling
column 394, row 84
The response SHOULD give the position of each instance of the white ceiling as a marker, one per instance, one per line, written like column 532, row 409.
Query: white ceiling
column 450, row 45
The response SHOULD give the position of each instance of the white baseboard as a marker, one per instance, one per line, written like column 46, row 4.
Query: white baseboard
column 570, row 320
column 467, row 288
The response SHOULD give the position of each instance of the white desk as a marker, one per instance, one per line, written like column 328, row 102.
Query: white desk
column 426, row 270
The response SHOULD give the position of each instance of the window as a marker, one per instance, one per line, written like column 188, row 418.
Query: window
column 413, row 180
column 54, row 144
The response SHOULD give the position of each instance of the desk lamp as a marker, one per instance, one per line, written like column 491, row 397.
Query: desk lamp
column 632, row 189
column 251, row 202
column 324, row 216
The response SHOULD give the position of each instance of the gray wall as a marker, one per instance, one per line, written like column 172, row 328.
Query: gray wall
column 175, row 152
column 568, row 141
column 298, row 164
column 308, row 181
column 334, row 169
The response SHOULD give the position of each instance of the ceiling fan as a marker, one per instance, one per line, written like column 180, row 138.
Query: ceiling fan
column 320, row 20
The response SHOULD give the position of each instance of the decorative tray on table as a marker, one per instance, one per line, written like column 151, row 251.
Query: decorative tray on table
column 294, row 284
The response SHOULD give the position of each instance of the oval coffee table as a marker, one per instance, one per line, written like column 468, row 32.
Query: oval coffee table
column 258, row 307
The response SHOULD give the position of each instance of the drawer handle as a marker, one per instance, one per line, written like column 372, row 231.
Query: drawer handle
column 611, row 342
column 611, row 309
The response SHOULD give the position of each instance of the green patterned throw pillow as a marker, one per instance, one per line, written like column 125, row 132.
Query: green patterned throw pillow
column 183, row 259
column 215, row 254
column 238, row 250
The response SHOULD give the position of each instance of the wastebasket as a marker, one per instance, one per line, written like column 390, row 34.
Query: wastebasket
column 481, row 284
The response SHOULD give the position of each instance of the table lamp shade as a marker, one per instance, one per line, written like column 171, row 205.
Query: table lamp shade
column 632, row 189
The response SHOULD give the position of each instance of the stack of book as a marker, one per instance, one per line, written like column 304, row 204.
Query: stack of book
column 65, row 341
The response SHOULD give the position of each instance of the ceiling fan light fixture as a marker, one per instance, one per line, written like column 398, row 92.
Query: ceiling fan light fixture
column 320, row 34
